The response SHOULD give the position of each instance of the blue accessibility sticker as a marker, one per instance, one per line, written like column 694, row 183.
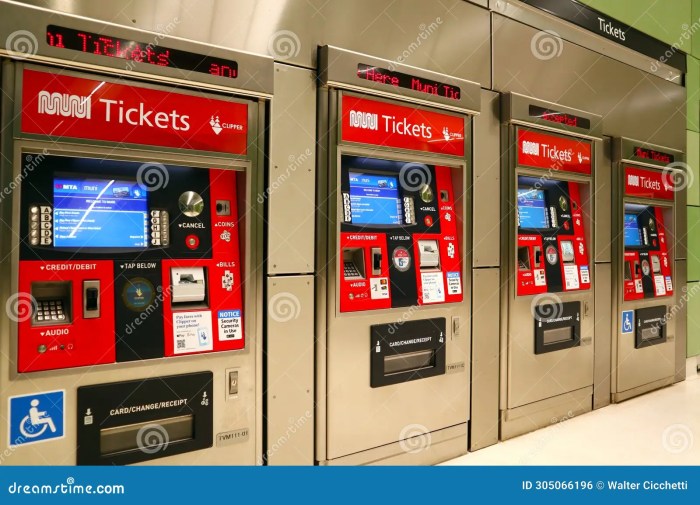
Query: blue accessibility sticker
column 37, row 417
column 627, row 321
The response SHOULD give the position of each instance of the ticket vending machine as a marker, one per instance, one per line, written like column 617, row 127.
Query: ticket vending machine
column 547, row 309
column 646, row 290
column 393, row 322
column 131, row 248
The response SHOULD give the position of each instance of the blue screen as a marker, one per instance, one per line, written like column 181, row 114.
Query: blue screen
column 99, row 213
column 532, row 210
column 375, row 200
column 632, row 237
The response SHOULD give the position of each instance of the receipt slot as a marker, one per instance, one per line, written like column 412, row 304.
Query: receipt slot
column 134, row 256
column 547, row 330
column 645, row 196
column 393, row 344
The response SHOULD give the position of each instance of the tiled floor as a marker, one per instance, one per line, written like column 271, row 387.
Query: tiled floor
column 660, row 428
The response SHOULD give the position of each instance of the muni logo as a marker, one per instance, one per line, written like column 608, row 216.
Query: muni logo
column 529, row 147
column 63, row 104
column 633, row 180
column 365, row 120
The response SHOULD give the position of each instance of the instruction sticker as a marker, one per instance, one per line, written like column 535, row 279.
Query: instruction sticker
column 379, row 288
column 230, row 325
column 571, row 277
column 540, row 278
column 669, row 284
column 659, row 285
column 192, row 332
column 638, row 286
column 454, row 283
column 433, row 287
column 585, row 276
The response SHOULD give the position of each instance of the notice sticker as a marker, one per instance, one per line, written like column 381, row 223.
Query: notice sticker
column 433, row 287
column 638, row 286
column 669, row 284
column 192, row 332
column 379, row 288
column 571, row 277
column 585, row 276
column 540, row 277
column 454, row 283
column 230, row 325
column 659, row 285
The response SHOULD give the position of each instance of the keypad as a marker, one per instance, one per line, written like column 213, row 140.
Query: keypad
column 351, row 270
column 160, row 229
column 40, row 225
column 49, row 311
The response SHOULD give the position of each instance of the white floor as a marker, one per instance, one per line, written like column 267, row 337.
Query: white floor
column 660, row 428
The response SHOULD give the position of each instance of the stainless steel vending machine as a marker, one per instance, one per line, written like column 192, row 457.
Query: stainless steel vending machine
column 648, row 186
column 394, row 239
column 547, row 330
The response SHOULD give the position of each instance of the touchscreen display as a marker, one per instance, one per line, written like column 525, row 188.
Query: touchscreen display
column 91, row 212
column 375, row 200
column 532, row 210
column 632, row 235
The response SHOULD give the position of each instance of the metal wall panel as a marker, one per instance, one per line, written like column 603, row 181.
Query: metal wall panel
column 290, row 187
column 419, row 33
column 602, row 203
column 290, row 371
column 681, row 318
column 603, row 337
column 487, row 183
column 485, row 358
column 633, row 103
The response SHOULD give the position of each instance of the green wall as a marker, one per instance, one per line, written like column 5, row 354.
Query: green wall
column 676, row 22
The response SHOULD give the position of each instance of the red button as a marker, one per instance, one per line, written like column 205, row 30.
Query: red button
column 428, row 221
column 566, row 225
column 192, row 241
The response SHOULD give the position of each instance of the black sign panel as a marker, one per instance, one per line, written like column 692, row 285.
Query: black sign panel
column 650, row 326
column 406, row 351
column 557, row 326
column 151, row 53
column 127, row 422
column 652, row 155
column 562, row 118
column 407, row 81
column 600, row 24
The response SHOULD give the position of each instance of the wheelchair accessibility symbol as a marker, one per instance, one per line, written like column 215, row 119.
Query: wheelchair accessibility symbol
column 627, row 321
column 36, row 417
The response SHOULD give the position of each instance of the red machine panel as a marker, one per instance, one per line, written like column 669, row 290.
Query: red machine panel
column 645, row 183
column 552, row 254
column 553, row 152
column 399, row 241
column 647, row 265
column 74, row 107
column 375, row 122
